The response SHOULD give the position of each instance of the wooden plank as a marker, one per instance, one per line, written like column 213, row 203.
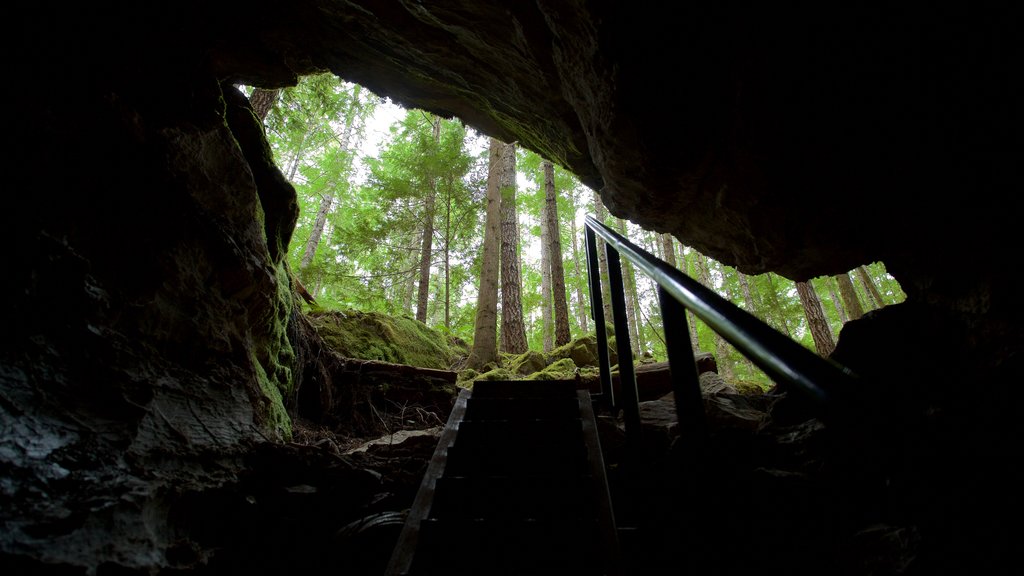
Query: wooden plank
column 602, row 493
column 405, row 549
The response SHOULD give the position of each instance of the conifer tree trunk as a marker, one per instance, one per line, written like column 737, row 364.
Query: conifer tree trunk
column 409, row 263
column 837, row 303
column 689, row 268
column 485, row 330
column 581, row 301
column 448, row 262
column 721, row 346
column 602, row 262
column 629, row 286
column 816, row 322
column 427, row 239
column 667, row 250
column 513, row 331
column 554, row 249
column 326, row 203
column 545, row 279
column 869, row 287
column 748, row 298
column 327, row 200
column 776, row 307
column 850, row 300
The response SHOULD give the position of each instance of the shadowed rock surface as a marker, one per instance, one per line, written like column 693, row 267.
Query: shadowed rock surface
column 153, row 351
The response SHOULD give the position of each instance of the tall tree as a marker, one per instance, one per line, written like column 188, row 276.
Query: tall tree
column 778, row 311
column 547, row 323
column 582, row 309
column 553, row 247
column 850, row 300
column 837, row 302
column 721, row 346
column 513, row 330
column 869, row 287
column 430, row 196
column 689, row 267
column 816, row 322
column 601, row 214
column 748, row 297
column 343, row 158
column 667, row 250
column 485, row 331
column 632, row 307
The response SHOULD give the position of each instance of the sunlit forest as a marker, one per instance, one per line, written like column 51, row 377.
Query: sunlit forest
column 392, row 213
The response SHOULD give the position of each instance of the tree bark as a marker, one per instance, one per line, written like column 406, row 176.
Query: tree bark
column 869, row 287
column 816, row 322
column 748, row 297
column 327, row 200
column 554, row 249
column 427, row 239
column 263, row 100
column 692, row 320
column 547, row 325
column 721, row 346
column 582, row 310
column 837, row 303
column 748, row 300
column 629, row 286
column 850, row 300
column 773, row 295
column 448, row 263
column 485, row 330
column 513, row 331
column 667, row 250
column 602, row 262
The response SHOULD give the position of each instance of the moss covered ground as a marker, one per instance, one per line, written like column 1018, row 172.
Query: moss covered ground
column 394, row 339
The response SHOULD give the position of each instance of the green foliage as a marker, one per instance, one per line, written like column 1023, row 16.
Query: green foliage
column 369, row 256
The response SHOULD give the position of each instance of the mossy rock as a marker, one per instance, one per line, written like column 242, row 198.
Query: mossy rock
column 583, row 351
column 527, row 363
column 749, row 387
column 562, row 369
column 376, row 336
column 467, row 375
column 496, row 374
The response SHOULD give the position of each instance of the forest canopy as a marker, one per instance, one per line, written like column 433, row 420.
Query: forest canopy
column 393, row 205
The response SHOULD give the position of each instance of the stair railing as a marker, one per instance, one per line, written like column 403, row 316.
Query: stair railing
column 788, row 363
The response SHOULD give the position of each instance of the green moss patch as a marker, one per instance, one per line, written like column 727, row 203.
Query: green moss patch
column 564, row 369
column 376, row 336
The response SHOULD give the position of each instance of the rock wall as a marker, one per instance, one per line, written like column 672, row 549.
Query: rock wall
column 146, row 300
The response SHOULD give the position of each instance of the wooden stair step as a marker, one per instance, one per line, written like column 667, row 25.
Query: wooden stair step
column 524, row 408
column 525, row 462
column 524, row 388
column 507, row 547
column 517, row 486
column 534, row 433
column 504, row 497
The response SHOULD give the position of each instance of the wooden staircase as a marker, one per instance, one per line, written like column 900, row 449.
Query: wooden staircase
column 516, row 485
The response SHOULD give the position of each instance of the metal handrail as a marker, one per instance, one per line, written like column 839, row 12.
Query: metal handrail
column 786, row 361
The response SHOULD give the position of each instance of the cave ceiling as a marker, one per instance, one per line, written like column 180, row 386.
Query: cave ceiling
column 796, row 140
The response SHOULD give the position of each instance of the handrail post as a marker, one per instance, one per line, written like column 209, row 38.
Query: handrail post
column 683, row 369
column 597, row 314
column 627, row 377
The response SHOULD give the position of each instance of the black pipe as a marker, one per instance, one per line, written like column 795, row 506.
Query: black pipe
column 597, row 313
